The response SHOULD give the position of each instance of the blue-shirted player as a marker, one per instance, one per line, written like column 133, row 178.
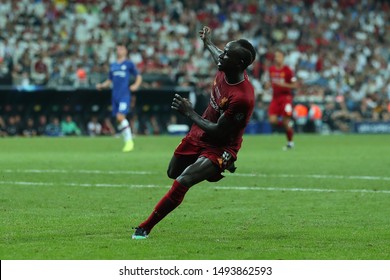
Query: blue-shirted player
column 119, row 77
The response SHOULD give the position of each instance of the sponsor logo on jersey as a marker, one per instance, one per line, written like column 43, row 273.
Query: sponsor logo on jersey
column 119, row 73
column 223, row 102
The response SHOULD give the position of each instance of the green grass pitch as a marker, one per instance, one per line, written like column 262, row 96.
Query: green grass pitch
column 78, row 198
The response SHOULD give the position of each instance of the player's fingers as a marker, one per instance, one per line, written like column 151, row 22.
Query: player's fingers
column 176, row 101
column 204, row 32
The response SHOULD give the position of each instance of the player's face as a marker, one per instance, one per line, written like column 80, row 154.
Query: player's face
column 279, row 57
column 121, row 51
column 229, row 59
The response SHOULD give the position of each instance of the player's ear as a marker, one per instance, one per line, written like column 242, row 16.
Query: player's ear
column 241, row 64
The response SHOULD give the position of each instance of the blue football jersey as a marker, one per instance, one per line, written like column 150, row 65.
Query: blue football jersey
column 120, row 74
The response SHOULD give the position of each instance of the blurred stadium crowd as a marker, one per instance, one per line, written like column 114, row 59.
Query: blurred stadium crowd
column 339, row 49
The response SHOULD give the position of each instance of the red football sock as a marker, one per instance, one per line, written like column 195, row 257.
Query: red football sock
column 170, row 201
column 290, row 134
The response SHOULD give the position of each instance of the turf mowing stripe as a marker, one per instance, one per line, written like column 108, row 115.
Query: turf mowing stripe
column 239, row 188
column 77, row 184
column 130, row 172
column 77, row 171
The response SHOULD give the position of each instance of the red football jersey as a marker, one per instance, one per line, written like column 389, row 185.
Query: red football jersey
column 284, row 74
column 236, row 101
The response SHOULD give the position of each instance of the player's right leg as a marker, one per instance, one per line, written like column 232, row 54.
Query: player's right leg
column 202, row 169
column 273, row 115
column 273, row 120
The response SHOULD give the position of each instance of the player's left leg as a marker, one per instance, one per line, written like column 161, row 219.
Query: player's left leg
column 179, row 163
column 202, row 169
column 287, row 122
column 186, row 153
column 289, row 128
column 125, row 130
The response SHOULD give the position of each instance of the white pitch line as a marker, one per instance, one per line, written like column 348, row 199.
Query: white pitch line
column 301, row 189
column 132, row 172
column 239, row 188
column 315, row 176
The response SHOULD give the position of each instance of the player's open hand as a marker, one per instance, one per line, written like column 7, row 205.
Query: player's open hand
column 205, row 33
column 99, row 86
column 133, row 88
column 182, row 105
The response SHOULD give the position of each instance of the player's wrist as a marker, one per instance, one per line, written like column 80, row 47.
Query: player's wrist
column 207, row 42
column 190, row 114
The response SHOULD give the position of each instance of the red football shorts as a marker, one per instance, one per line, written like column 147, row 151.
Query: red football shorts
column 281, row 106
column 187, row 148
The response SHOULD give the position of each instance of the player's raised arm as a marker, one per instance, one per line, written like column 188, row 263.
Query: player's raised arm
column 205, row 35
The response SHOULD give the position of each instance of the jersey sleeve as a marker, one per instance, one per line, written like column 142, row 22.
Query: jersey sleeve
column 290, row 77
column 132, row 68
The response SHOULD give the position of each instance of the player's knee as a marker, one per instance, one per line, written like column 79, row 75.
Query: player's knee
column 171, row 173
column 185, row 180
column 120, row 117
column 273, row 121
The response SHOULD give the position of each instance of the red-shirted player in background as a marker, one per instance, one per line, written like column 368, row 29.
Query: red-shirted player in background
column 283, row 81
column 212, row 144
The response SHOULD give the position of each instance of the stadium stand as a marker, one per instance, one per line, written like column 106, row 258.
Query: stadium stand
column 338, row 49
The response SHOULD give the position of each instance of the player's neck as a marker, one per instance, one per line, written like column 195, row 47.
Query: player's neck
column 234, row 78
column 279, row 66
column 120, row 59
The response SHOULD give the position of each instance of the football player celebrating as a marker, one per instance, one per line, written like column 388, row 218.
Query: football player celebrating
column 212, row 144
